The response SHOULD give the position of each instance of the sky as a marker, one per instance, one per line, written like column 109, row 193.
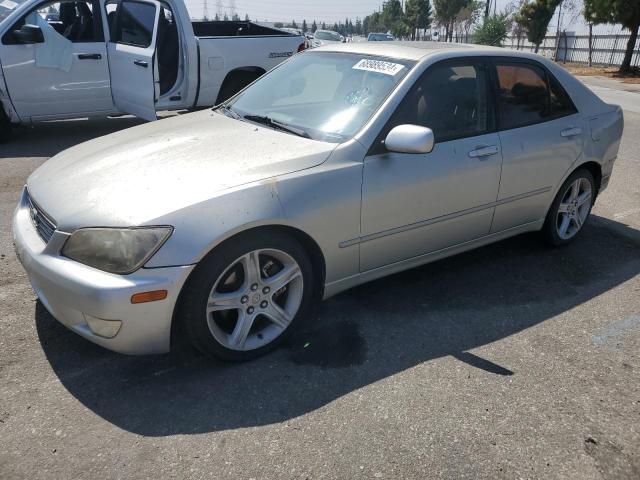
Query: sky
column 330, row 11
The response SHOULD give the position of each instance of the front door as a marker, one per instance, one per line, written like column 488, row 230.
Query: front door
column 413, row 204
column 66, row 73
column 132, row 57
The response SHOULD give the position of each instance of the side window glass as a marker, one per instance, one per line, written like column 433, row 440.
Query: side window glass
column 560, row 102
column 450, row 99
column 523, row 95
column 136, row 23
column 73, row 20
column 111, row 8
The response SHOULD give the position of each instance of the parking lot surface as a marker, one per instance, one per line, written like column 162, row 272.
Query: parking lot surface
column 512, row 361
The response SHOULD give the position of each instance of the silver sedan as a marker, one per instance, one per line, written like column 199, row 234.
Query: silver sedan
column 344, row 164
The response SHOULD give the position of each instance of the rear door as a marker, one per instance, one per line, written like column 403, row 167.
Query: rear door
column 132, row 57
column 542, row 135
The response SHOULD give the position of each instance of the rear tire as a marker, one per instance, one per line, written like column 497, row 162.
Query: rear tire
column 6, row 129
column 570, row 209
column 235, row 312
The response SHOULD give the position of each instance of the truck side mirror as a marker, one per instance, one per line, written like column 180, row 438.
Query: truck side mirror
column 29, row 34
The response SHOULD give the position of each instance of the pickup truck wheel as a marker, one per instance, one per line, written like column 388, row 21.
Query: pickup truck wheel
column 247, row 296
column 570, row 209
column 5, row 127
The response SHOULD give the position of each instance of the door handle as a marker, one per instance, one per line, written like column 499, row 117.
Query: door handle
column 141, row 63
column 571, row 132
column 89, row 56
column 483, row 151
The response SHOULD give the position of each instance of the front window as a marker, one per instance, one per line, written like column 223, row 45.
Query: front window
column 333, row 36
column 328, row 96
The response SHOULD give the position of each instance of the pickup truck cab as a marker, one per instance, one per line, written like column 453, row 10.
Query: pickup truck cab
column 78, row 58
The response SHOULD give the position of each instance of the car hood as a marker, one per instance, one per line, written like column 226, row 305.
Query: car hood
column 136, row 176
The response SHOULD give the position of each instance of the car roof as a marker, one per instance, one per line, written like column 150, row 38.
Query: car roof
column 417, row 50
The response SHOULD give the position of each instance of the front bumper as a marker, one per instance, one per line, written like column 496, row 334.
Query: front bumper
column 72, row 291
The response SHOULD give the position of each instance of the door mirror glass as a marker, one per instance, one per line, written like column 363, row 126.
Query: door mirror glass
column 29, row 34
column 409, row 139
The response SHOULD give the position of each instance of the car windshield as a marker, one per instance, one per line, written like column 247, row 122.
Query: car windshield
column 328, row 36
column 325, row 96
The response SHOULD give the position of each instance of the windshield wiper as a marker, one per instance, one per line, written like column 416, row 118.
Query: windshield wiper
column 270, row 122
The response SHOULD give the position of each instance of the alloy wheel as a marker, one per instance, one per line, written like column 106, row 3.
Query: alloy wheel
column 574, row 208
column 255, row 299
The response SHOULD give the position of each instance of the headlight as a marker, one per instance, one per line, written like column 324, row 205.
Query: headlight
column 115, row 250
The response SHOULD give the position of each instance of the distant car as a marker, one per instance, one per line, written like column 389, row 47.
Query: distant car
column 380, row 37
column 326, row 37
column 435, row 36
column 342, row 165
column 52, row 17
column 292, row 31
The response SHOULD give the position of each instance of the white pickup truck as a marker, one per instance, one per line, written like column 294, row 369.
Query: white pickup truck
column 78, row 58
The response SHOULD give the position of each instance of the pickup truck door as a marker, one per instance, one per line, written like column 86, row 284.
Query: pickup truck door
column 63, row 70
column 132, row 57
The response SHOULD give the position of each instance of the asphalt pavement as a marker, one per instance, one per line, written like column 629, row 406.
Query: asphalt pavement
column 515, row 360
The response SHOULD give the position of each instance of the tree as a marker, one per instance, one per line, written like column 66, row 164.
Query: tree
column 493, row 30
column 294, row 24
column 278, row 25
column 446, row 12
column 417, row 16
column 534, row 17
column 314, row 27
column 625, row 12
column 323, row 26
column 466, row 18
column 304, row 26
column 246, row 17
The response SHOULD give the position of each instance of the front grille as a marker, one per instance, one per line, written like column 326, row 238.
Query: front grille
column 44, row 226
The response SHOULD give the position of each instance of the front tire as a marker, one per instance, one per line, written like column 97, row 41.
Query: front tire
column 6, row 129
column 248, row 295
column 570, row 209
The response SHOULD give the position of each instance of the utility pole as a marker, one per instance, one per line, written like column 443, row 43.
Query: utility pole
column 205, row 11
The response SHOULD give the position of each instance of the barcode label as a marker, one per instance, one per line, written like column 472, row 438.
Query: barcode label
column 379, row 66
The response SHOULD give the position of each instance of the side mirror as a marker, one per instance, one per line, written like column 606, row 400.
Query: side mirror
column 409, row 139
column 29, row 34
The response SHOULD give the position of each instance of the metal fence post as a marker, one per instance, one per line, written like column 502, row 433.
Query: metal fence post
column 590, row 40
column 613, row 50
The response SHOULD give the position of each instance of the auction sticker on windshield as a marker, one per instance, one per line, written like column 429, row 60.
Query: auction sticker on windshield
column 379, row 66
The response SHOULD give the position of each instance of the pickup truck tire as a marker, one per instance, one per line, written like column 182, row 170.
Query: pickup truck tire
column 236, row 81
column 247, row 296
column 5, row 127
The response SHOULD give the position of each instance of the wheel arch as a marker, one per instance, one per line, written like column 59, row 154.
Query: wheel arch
column 252, row 72
column 595, row 169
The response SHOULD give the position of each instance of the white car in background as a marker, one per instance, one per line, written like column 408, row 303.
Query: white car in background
column 327, row 37
column 103, row 57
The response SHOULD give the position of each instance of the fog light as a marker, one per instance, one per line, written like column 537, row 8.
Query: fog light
column 103, row 328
